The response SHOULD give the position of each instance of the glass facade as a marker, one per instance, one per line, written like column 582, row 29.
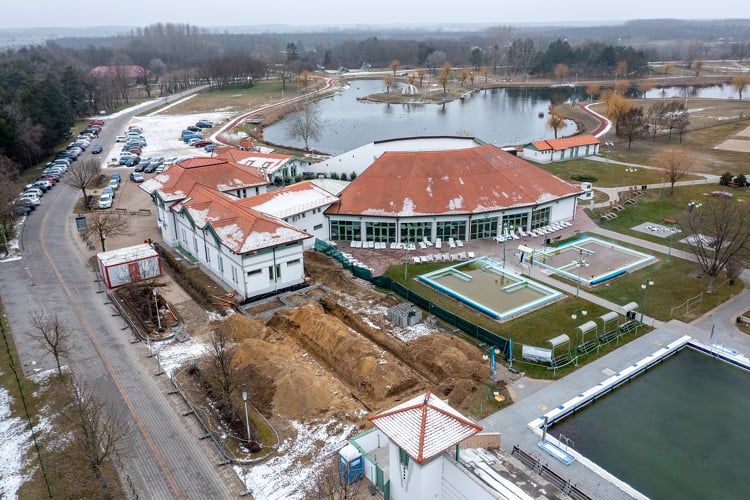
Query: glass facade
column 540, row 217
column 381, row 231
column 483, row 228
column 451, row 229
column 412, row 232
column 346, row 230
column 516, row 220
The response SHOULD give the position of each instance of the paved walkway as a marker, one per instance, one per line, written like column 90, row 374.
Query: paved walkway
column 533, row 397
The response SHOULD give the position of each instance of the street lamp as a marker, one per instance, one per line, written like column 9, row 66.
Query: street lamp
column 156, row 305
column 581, row 263
column 247, row 420
column 506, row 227
column 645, row 286
column 609, row 145
column 671, row 237
column 578, row 315
column 491, row 357
column 631, row 171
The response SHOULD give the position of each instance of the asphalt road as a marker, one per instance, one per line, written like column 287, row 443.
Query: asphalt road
column 162, row 456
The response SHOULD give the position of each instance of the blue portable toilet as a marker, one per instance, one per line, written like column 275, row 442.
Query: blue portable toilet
column 351, row 464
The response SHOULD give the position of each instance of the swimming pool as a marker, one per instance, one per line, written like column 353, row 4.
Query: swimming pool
column 486, row 285
column 666, row 432
column 590, row 260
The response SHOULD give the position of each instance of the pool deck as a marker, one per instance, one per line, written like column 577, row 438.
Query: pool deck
column 533, row 399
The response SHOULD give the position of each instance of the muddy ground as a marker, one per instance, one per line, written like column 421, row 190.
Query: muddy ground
column 339, row 356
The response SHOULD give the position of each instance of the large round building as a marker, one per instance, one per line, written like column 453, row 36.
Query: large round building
column 467, row 193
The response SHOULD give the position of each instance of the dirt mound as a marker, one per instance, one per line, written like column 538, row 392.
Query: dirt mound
column 301, row 388
column 373, row 374
column 330, row 272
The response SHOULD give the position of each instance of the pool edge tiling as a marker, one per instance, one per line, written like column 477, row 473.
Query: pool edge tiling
column 548, row 294
column 611, row 383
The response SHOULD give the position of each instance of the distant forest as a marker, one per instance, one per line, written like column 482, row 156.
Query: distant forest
column 44, row 89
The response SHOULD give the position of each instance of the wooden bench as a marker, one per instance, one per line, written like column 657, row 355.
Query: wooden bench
column 669, row 221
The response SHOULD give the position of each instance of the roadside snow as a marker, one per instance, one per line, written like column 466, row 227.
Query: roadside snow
column 14, row 439
column 298, row 461
column 173, row 354
column 13, row 248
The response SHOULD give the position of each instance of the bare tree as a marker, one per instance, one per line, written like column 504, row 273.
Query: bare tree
column 53, row 335
column 444, row 76
column 306, row 124
column 676, row 165
column 96, row 429
column 719, row 231
column 697, row 66
column 394, row 65
column 8, row 193
column 105, row 225
column 332, row 483
column 223, row 351
column 555, row 122
column 561, row 71
column 739, row 83
column 389, row 81
column 632, row 124
column 81, row 175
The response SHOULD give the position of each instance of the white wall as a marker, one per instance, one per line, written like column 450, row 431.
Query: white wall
column 308, row 220
column 248, row 275
column 357, row 160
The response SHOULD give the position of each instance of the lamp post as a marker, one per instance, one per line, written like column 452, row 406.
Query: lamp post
column 645, row 286
column 156, row 305
column 580, row 262
column 493, row 366
column 631, row 171
column 576, row 315
column 506, row 227
column 671, row 237
column 247, row 420
column 609, row 145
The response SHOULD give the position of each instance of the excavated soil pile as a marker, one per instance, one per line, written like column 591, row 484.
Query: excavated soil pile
column 372, row 374
column 449, row 363
column 292, row 382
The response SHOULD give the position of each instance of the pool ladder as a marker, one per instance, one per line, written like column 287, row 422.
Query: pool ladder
column 567, row 441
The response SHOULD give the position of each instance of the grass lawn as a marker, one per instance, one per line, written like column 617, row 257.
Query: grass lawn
column 606, row 174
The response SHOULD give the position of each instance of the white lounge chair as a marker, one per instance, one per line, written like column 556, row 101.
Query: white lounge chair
column 514, row 235
column 426, row 241
column 499, row 239
column 459, row 243
column 471, row 255
column 438, row 243
column 422, row 245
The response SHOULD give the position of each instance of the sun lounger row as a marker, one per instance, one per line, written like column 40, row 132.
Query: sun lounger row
column 443, row 257
column 519, row 233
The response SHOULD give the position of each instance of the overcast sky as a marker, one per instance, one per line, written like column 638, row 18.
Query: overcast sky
column 135, row 13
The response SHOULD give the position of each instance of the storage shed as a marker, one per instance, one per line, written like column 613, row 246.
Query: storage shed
column 128, row 265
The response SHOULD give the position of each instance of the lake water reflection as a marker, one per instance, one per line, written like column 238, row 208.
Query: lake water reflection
column 501, row 117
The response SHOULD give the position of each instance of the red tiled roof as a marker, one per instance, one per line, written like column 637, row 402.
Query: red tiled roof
column 474, row 180
column 240, row 229
column 424, row 426
column 113, row 71
column 268, row 161
column 565, row 142
column 220, row 174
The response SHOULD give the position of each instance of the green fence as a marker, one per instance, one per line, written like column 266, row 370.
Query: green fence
column 358, row 271
column 477, row 332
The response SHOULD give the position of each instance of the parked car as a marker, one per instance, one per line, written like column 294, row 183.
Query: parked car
column 116, row 175
column 193, row 128
column 137, row 177
column 109, row 190
column 121, row 138
column 210, row 148
column 133, row 161
column 105, row 201
column 204, row 124
column 29, row 196
column 97, row 149
column 201, row 144
column 114, row 184
column 150, row 168
column 35, row 191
